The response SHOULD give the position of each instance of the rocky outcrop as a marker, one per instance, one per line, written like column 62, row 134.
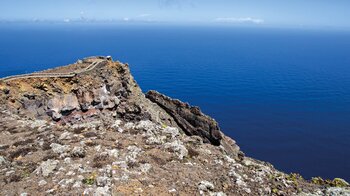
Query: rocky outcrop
column 96, row 133
column 189, row 118
column 193, row 122
column 62, row 105
column 108, row 91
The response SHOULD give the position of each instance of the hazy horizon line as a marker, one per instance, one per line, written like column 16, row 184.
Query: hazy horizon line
column 169, row 23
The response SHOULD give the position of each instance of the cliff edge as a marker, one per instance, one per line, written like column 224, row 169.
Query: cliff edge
column 88, row 129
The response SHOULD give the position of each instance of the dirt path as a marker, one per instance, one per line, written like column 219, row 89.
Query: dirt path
column 92, row 66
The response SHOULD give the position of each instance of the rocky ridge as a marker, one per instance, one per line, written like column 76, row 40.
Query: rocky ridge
column 96, row 133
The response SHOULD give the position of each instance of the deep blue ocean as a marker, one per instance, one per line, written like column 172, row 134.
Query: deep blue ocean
column 282, row 94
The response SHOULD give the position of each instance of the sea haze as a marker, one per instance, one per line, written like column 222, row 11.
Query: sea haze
column 283, row 95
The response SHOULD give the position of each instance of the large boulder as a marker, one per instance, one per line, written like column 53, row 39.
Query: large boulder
column 62, row 105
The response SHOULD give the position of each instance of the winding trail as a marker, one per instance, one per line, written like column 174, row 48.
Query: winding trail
column 92, row 66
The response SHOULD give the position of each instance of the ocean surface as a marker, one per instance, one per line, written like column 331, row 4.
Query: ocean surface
column 282, row 94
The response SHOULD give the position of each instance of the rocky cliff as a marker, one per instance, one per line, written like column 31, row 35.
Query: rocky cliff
column 87, row 129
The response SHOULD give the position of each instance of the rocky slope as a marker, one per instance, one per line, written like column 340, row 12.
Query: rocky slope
column 88, row 129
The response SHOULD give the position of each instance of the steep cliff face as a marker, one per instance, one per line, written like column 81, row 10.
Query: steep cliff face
column 192, row 121
column 108, row 88
column 87, row 128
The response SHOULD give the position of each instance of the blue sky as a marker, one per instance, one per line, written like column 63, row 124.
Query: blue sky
column 323, row 13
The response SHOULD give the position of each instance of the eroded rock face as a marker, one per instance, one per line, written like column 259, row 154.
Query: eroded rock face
column 62, row 105
column 189, row 118
column 108, row 91
column 193, row 122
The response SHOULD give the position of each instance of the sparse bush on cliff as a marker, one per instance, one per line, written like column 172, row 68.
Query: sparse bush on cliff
column 336, row 182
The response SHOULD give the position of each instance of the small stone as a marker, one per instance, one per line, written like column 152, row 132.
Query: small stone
column 217, row 194
column 24, row 194
column 172, row 190
column 113, row 153
column 62, row 169
column 98, row 148
column 117, row 123
column 50, row 191
column 87, row 191
column 154, row 140
column 145, row 167
column 229, row 159
column 133, row 152
column 78, row 152
column 138, row 190
column 205, row 186
column 108, row 171
column 67, row 160
column 62, row 182
column 70, row 173
column 172, row 131
column 125, row 177
column 146, row 125
column 42, row 183
column 102, row 181
column 102, row 191
column 177, row 147
column 247, row 190
column 65, row 136
column 2, row 160
column 207, row 151
column 58, row 148
column 9, row 173
column 69, row 181
column 77, row 184
column 82, row 170
column 56, row 116
column 129, row 125
column 116, row 101
column 80, row 177
column 46, row 168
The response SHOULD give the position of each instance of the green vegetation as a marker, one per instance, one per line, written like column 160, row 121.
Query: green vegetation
column 164, row 126
column 336, row 182
column 295, row 178
column 275, row 190
column 90, row 180
column 25, row 174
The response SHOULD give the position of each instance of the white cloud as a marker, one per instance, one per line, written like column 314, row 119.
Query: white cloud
column 240, row 20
